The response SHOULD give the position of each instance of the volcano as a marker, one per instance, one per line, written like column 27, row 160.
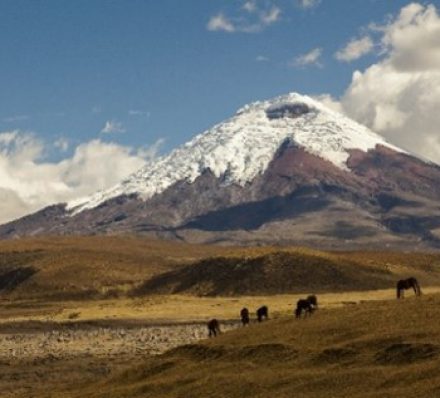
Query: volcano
column 283, row 171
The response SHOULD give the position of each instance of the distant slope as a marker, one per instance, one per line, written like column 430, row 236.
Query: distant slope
column 108, row 266
column 376, row 349
column 273, row 273
column 88, row 267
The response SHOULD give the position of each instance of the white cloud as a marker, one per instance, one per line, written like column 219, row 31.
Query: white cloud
column 310, row 58
column 399, row 96
column 355, row 49
column 271, row 16
column 308, row 3
column 28, row 182
column 330, row 102
column 250, row 6
column 220, row 22
column 251, row 17
column 112, row 126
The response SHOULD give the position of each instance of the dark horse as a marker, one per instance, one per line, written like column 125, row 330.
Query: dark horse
column 213, row 327
column 262, row 312
column 244, row 314
column 409, row 283
column 307, row 306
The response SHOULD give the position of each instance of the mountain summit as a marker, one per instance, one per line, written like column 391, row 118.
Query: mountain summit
column 242, row 147
column 286, row 170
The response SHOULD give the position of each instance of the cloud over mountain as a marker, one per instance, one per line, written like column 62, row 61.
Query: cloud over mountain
column 399, row 96
column 28, row 181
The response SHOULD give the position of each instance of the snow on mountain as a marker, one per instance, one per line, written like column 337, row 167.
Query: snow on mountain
column 242, row 147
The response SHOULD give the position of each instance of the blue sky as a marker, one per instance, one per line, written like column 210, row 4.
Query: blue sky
column 67, row 67
column 91, row 90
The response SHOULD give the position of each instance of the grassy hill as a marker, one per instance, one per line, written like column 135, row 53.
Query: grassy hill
column 373, row 349
column 88, row 267
column 64, row 268
column 273, row 273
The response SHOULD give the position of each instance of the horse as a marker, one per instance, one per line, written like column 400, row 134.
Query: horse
column 312, row 299
column 308, row 305
column 262, row 312
column 244, row 314
column 213, row 327
column 405, row 284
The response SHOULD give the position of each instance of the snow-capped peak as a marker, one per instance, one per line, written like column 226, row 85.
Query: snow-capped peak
column 243, row 146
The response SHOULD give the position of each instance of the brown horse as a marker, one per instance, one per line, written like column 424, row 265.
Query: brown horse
column 244, row 315
column 262, row 312
column 307, row 306
column 410, row 283
column 213, row 327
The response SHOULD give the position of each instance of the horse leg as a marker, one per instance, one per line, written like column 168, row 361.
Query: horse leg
column 417, row 289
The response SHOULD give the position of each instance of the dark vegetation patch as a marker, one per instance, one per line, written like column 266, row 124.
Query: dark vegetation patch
column 336, row 355
column 387, row 202
column 16, row 268
column 273, row 273
column 199, row 352
column 402, row 353
column 264, row 352
column 9, row 280
column 345, row 230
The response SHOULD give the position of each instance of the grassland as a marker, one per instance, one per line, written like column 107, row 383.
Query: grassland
column 372, row 349
column 77, row 319
column 97, row 267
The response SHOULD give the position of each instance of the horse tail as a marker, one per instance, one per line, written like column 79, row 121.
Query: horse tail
column 398, row 290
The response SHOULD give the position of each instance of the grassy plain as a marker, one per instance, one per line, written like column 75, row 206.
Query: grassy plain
column 372, row 349
column 72, row 326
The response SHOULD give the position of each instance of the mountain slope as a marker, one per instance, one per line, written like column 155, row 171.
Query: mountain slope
column 243, row 146
column 287, row 170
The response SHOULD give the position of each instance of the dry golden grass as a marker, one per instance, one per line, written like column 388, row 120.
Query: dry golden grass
column 94, row 266
column 372, row 349
column 110, row 266
column 177, row 308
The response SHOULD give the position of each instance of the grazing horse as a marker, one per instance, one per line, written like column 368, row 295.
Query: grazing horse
column 244, row 314
column 307, row 305
column 262, row 312
column 409, row 283
column 213, row 327
column 312, row 299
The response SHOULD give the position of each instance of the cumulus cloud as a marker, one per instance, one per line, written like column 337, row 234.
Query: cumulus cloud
column 399, row 96
column 112, row 126
column 310, row 58
column 355, row 49
column 251, row 17
column 28, row 182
